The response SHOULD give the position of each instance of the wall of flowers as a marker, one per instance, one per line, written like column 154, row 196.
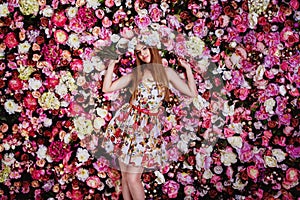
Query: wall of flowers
column 49, row 77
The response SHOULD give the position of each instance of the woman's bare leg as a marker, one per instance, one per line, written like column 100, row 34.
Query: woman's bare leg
column 134, row 182
column 125, row 189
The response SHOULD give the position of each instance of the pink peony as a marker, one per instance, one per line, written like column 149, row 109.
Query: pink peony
column 106, row 22
column 171, row 188
column 76, row 25
column 15, row 84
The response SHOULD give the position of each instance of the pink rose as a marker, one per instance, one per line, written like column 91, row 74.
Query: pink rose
column 171, row 188
column 76, row 25
column 155, row 13
column 93, row 181
column 142, row 21
column 252, row 172
column 59, row 19
column 292, row 175
column 294, row 4
column 106, row 22
column 11, row 40
column 119, row 15
column 109, row 3
column 189, row 190
column 60, row 36
column 76, row 65
column 228, row 132
column 100, row 13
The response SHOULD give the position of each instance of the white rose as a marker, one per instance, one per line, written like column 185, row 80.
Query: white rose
column 24, row 47
column 47, row 11
column 227, row 158
column 279, row 154
column 41, row 152
column 235, row 141
column 10, row 106
column 72, row 11
column 34, row 84
column 4, row 10
column 82, row 174
column 160, row 177
column 200, row 159
column 237, row 127
column 270, row 161
column 253, row 19
column 182, row 146
column 115, row 38
column 101, row 112
column 227, row 75
column 98, row 123
column 269, row 104
column 228, row 110
column 282, row 90
column 61, row 89
column 207, row 174
column 82, row 155
column 93, row 4
column 259, row 73
column 47, row 122
column 200, row 102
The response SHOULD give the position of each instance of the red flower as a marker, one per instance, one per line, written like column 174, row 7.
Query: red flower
column 15, row 84
column 30, row 102
column 11, row 40
column 59, row 19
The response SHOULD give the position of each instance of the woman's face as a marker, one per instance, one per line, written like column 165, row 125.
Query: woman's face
column 143, row 52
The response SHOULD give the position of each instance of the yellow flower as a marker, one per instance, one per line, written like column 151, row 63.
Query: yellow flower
column 28, row 7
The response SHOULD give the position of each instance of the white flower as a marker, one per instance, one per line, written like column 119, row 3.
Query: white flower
column 253, row 19
column 279, row 154
column 71, row 12
column 270, row 161
column 219, row 32
column 200, row 102
column 117, row 2
column 235, row 59
column 237, row 127
column 260, row 71
column 49, row 101
column 282, row 90
column 239, row 185
column 182, row 146
column 82, row 155
column 8, row 159
column 195, row 46
column 47, row 122
column 228, row 110
column 235, row 141
column 98, row 123
column 41, row 152
column 92, row 4
column 227, row 75
column 200, row 161
column 4, row 10
column 115, row 38
column 48, row 11
column 122, row 43
column 73, row 41
column 10, row 106
column 207, row 174
column 269, row 104
column 82, row 174
column 87, row 66
column 24, row 47
column 83, row 126
column 160, row 177
column 34, row 84
column 61, row 89
column 227, row 158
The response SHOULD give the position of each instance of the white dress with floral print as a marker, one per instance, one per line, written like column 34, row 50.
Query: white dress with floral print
column 134, row 133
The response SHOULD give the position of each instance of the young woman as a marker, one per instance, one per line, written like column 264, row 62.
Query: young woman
column 134, row 133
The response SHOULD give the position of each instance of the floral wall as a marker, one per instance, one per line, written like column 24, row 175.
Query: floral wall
column 49, row 77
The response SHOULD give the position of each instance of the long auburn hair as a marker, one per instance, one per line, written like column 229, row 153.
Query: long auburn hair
column 155, row 67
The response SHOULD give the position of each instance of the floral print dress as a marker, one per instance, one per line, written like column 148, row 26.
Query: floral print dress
column 134, row 133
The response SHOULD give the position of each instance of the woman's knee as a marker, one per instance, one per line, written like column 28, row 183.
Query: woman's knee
column 133, row 179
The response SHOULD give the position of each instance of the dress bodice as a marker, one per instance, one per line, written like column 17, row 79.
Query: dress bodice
column 149, row 95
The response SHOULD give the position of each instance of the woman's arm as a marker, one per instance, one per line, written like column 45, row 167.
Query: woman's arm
column 109, row 85
column 188, row 88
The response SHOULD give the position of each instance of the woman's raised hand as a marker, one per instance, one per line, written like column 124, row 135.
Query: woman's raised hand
column 183, row 62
